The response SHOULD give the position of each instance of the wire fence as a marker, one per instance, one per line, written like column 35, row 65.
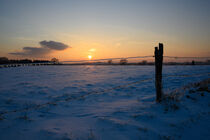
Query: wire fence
column 148, row 59
column 118, row 58
column 69, row 97
column 142, row 59
column 178, row 57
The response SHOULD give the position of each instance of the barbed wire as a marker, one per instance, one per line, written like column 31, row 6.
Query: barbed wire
column 135, row 57
column 111, row 59
column 76, row 98
column 118, row 58
column 185, row 75
column 68, row 99
column 182, row 57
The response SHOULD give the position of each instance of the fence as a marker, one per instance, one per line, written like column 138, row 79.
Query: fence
column 98, row 92
column 158, row 54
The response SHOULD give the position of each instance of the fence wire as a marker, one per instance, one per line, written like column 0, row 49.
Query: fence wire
column 71, row 98
column 181, row 57
column 98, row 92
column 118, row 58
column 135, row 57
column 68, row 99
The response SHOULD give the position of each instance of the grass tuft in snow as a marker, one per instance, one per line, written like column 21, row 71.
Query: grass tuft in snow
column 25, row 117
column 91, row 135
column 144, row 129
column 1, row 118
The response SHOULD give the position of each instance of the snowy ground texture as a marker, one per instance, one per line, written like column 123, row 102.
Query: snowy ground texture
column 103, row 103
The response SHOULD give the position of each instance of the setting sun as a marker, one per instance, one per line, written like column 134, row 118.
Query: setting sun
column 89, row 56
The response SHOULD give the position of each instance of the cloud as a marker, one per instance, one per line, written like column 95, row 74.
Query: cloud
column 92, row 50
column 32, row 51
column 53, row 45
column 46, row 48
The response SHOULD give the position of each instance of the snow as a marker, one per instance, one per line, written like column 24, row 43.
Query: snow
column 103, row 102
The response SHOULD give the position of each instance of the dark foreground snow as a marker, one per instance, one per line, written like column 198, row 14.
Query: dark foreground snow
column 86, row 102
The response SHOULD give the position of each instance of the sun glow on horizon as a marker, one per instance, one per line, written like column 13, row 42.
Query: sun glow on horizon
column 89, row 57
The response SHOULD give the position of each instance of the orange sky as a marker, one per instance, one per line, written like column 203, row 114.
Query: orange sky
column 128, row 28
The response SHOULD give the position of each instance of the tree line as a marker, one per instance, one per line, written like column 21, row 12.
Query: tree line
column 5, row 60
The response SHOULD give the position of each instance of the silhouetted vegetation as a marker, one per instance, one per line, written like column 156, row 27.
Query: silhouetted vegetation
column 193, row 62
column 5, row 60
column 55, row 60
column 144, row 62
column 123, row 61
column 110, row 61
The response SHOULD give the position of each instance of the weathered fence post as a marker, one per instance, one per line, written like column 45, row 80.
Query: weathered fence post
column 158, row 71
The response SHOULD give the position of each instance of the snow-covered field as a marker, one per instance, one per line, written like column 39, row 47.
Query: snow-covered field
column 102, row 102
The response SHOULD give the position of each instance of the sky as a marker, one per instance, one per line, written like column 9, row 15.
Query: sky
column 75, row 29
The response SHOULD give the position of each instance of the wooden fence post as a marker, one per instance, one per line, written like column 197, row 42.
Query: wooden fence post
column 158, row 71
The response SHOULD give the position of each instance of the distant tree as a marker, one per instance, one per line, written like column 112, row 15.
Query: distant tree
column 54, row 60
column 25, row 61
column 208, row 61
column 123, row 61
column 40, row 61
column 110, row 61
column 144, row 62
column 193, row 62
column 4, row 60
